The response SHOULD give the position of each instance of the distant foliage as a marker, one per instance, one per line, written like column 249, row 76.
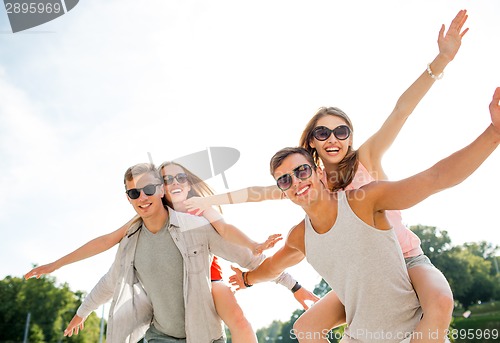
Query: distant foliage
column 51, row 308
column 469, row 268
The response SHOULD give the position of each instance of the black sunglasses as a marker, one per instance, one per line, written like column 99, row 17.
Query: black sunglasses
column 342, row 132
column 181, row 178
column 149, row 190
column 302, row 172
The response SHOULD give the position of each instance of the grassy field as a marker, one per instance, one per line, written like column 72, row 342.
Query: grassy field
column 483, row 324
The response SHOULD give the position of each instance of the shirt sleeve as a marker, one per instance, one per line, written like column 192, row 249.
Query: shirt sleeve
column 101, row 293
column 286, row 280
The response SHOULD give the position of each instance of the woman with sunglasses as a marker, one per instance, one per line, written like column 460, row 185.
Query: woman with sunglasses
column 180, row 184
column 328, row 137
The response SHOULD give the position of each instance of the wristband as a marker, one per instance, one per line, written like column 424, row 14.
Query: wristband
column 245, row 279
column 296, row 287
column 431, row 74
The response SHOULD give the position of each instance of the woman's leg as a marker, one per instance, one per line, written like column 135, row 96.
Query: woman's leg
column 314, row 324
column 231, row 313
column 436, row 299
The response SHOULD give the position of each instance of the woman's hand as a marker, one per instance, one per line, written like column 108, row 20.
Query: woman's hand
column 268, row 244
column 41, row 270
column 450, row 42
column 197, row 205
column 495, row 110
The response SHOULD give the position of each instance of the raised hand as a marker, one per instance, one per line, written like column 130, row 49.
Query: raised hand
column 40, row 270
column 75, row 326
column 450, row 42
column 495, row 110
column 268, row 244
column 197, row 205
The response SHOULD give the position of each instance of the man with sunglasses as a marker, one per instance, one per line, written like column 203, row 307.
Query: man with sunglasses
column 159, row 282
column 346, row 237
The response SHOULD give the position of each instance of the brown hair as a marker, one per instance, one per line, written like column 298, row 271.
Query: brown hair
column 279, row 157
column 199, row 188
column 349, row 165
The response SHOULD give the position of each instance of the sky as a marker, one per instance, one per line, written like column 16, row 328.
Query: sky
column 92, row 92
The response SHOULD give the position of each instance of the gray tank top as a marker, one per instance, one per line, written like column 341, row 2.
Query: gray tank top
column 365, row 268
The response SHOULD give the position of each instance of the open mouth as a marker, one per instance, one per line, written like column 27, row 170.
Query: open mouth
column 332, row 150
column 303, row 190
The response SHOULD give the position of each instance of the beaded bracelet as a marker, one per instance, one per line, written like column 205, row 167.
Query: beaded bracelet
column 431, row 74
column 245, row 279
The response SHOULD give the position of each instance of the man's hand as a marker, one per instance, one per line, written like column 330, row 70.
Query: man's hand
column 236, row 280
column 75, row 325
column 303, row 295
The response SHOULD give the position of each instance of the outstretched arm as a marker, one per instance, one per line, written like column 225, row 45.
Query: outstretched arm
column 289, row 255
column 234, row 235
column 371, row 152
column 444, row 174
column 89, row 249
column 250, row 194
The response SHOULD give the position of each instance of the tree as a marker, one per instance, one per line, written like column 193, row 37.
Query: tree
column 271, row 333
column 51, row 308
column 434, row 242
column 468, row 268
column 473, row 282
column 287, row 332
column 322, row 288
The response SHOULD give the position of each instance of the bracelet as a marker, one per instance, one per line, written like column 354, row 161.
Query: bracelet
column 296, row 287
column 245, row 279
column 431, row 74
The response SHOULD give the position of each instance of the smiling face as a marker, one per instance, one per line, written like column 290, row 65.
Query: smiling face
column 176, row 192
column 332, row 150
column 146, row 206
column 302, row 192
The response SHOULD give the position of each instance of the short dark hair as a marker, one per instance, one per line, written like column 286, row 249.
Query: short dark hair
column 279, row 157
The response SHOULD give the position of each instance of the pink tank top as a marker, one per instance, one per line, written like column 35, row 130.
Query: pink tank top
column 408, row 240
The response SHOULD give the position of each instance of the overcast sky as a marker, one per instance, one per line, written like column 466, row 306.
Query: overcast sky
column 87, row 95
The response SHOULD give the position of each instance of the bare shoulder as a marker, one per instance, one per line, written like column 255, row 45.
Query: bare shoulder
column 295, row 237
column 362, row 200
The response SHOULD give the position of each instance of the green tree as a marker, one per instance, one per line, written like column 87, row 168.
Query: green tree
column 50, row 307
column 486, row 251
column 287, row 334
column 322, row 288
column 271, row 333
column 468, row 268
column 434, row 242
column 480, row 284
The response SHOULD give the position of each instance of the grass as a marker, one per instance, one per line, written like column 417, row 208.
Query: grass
column 482, row 326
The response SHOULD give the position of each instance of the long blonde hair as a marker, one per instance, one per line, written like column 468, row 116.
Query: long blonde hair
column 349, row 165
